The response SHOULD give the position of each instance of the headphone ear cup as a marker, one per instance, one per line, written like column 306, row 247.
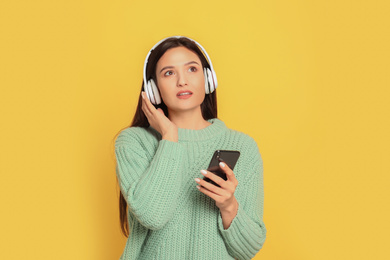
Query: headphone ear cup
column 211, row 82
column 148, row 90
column 155, row 92
column 146, row 86
column 214, row 79
column 206, row 82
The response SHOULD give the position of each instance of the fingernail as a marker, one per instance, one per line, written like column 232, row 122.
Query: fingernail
column 198, row 187
column 222, row 164
column 142, row 94
column 197, row 180
column 203, row 172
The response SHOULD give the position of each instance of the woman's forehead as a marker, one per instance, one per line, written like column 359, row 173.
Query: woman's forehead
column 178, row 56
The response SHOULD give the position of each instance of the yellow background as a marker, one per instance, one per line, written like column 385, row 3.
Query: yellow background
column 309, row 80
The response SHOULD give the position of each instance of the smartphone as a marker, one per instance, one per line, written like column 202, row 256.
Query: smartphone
column 227, row 156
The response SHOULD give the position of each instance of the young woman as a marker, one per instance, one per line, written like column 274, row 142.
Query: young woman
column 167, row 209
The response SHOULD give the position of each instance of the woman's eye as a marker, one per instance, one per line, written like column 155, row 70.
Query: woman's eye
column 168, row 73
column 193, row 69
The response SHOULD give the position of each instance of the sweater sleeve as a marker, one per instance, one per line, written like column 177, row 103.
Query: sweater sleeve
column 149, row 182
column 246, row 234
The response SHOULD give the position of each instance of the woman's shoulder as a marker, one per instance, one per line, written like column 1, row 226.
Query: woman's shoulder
column 247, row 145
column 243, row 142
column 135, row 134
column 243, row 137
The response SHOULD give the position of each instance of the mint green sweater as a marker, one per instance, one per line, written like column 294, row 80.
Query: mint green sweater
column 169, row 218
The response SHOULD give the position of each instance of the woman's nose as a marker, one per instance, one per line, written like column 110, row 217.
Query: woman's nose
column 181, row 80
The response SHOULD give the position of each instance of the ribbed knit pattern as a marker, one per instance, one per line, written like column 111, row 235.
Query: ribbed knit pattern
column 169, row 218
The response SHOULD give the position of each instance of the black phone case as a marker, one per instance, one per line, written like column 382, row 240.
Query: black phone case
column 227, row 156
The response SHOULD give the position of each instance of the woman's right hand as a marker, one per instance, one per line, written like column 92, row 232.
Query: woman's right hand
column 158, row 120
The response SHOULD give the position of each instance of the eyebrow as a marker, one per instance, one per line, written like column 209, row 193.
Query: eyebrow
column 171, row 67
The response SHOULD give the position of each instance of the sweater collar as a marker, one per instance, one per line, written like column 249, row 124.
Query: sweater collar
column 217, row 127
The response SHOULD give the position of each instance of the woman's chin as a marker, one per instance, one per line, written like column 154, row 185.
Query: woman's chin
column 185, row 108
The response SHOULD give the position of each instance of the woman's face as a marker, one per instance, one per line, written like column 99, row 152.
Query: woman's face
column 180, row 79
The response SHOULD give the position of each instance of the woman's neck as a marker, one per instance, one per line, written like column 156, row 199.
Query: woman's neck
column 191, row 119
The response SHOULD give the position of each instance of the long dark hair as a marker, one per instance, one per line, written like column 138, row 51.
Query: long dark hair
column 208, row 106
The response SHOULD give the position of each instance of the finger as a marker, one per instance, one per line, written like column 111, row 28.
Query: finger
column 208, row 193
column 144, row 109
column 148, row 104
column 144, row 98
column 144, row 106
column 161, row 111
column 210, row 187
column 215, row 178
column 229, row 173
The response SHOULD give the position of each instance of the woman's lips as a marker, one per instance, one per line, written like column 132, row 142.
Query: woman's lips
column 184, row 94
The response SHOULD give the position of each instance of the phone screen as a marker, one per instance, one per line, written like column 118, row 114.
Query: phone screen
column 227, row 156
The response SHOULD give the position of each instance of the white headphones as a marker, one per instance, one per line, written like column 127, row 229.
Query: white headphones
column 210, row 78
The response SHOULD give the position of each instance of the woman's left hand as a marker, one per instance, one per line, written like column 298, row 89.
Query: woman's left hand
column 224, row 195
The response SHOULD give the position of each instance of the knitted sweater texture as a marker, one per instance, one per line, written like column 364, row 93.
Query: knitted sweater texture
column 169, row 218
